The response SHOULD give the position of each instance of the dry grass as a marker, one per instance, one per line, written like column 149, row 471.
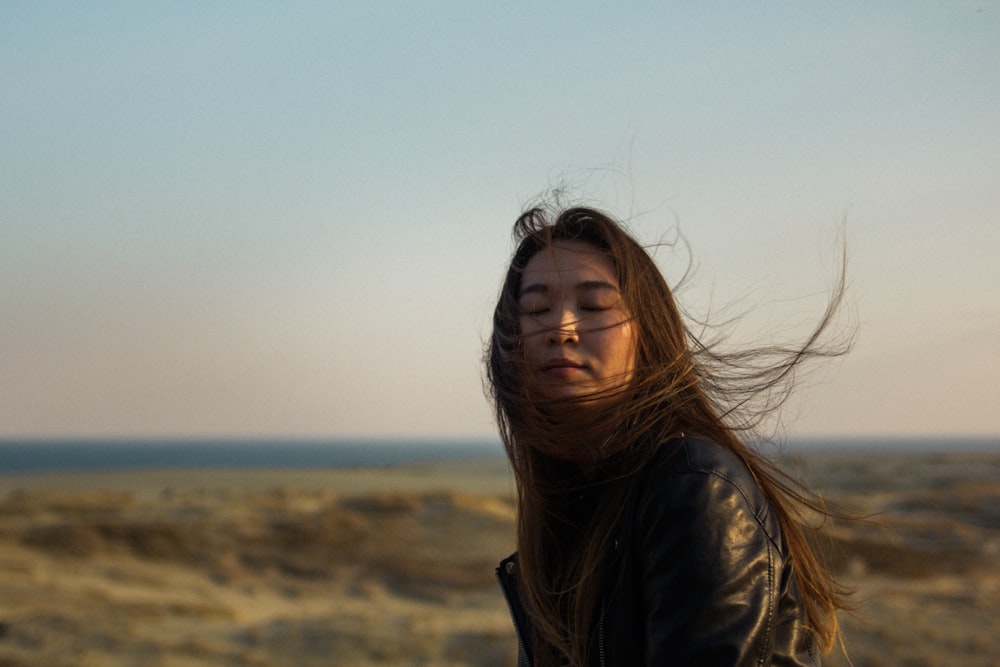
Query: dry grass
column 285, row 574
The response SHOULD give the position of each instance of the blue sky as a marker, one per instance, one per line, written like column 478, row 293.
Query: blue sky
column 291, row 219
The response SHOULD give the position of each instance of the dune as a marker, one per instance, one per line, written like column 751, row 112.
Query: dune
column 394, row 566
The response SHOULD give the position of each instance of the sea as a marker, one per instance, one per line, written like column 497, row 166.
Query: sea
column 94, row 455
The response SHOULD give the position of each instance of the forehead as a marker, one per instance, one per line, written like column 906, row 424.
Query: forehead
column 565, row 260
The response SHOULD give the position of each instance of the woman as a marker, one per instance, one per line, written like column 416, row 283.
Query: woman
column 647, row 532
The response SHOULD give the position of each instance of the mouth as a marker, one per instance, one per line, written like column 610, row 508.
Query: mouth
column 557, row 364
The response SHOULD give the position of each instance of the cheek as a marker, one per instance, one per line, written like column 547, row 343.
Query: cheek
column 622, row 347
column 530, row 337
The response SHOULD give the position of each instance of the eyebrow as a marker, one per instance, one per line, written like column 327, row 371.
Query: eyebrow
column 587, row 285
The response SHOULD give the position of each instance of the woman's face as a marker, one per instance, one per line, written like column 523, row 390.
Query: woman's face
column 576, row 334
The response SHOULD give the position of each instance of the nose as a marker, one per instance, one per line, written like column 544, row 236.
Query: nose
column 565, row 329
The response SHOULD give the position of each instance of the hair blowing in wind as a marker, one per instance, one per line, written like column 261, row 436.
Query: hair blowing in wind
column 598, row 442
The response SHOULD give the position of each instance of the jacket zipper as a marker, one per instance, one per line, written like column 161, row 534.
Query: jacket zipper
column 510, row 610
column 600, row 634
column 601, row 651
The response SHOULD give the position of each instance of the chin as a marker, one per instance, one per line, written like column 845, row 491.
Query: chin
column 589, row 398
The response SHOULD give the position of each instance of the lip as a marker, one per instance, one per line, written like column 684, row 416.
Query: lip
column 562, row 366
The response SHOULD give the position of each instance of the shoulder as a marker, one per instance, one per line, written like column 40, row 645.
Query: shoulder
column 697, row 454
column 705, row 483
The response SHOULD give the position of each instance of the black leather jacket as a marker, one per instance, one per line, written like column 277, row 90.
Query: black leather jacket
column 706, row 579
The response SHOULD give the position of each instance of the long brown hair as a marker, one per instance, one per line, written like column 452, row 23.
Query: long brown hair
column 563, row 451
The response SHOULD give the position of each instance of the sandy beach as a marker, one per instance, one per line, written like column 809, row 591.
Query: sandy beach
column 394, row 566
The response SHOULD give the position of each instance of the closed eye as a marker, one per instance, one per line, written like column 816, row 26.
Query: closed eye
column 534, row 307
column 601, row 304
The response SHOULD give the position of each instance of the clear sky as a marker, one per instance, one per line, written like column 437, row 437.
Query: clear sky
column 259, row 219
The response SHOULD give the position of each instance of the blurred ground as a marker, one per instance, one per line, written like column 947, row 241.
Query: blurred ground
column 395, row 566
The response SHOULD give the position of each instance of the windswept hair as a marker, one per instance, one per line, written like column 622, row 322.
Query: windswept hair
column 560, row 449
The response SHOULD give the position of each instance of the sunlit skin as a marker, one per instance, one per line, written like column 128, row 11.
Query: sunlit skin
column 577, row 336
